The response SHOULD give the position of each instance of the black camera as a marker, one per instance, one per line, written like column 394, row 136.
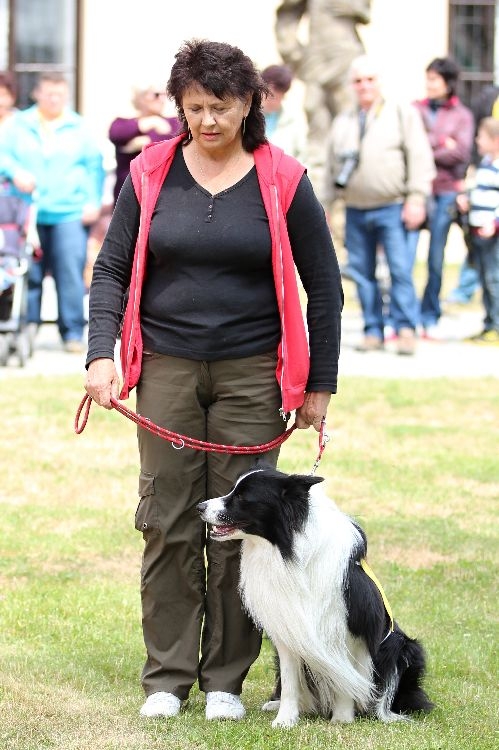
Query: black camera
column 350, row 163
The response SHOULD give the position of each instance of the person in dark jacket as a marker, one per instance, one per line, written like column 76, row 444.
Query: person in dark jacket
column 450, row 127
column 215, row 341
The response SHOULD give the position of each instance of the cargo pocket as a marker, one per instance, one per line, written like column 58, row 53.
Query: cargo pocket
column 146, row 515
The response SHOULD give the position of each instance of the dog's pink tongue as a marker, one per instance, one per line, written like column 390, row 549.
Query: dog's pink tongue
column 222, row 529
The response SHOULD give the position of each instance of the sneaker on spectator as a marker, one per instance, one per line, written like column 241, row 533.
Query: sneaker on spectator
column 490, row 336
column 370, row 343
column 161, row 704
column 406, row 341
column 220, row 705
column 73, row 346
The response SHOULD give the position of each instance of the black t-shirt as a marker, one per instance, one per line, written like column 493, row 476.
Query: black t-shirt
column 209, row 291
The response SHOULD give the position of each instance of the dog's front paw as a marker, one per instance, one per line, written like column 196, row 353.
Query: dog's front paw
column 344, row 710
column 342, row 718
column 271, row 706
column 285, row 720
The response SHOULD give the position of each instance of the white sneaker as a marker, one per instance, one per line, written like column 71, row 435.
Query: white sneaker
column 161, row 704
column 221, row 705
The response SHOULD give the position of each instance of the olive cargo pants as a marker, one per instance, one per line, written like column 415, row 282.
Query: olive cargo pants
column 193, row 622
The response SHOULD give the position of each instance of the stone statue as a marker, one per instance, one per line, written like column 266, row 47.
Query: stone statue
column 322, row 63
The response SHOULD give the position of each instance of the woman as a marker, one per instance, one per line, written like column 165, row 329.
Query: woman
column 129, row 135
column 450, row 127
column 212, row 277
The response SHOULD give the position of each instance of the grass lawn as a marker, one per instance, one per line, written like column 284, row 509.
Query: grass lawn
column 415, row 461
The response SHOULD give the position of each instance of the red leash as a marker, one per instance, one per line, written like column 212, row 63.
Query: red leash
column 179, row 441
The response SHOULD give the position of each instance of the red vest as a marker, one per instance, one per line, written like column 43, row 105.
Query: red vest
column 278, row 177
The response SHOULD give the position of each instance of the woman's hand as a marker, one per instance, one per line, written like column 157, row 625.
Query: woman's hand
column 102, row 381
column 313, row 410
column 24, row 181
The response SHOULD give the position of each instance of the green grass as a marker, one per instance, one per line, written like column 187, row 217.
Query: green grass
column 416, row 462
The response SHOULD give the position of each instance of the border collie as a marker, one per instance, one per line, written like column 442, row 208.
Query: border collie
column 303, row 581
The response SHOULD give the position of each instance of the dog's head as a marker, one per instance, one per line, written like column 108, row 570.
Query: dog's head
column 264, row 503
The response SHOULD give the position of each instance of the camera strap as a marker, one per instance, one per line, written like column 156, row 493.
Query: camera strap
column 365, row 117
column 362, row 123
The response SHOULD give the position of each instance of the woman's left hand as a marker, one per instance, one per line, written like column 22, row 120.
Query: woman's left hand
column 313, row 410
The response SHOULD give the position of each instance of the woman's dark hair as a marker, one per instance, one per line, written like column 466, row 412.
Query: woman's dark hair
column 8, row 81
column 449, row 70
column 226, row 72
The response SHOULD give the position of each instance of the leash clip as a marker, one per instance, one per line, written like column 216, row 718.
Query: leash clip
column 323, row 440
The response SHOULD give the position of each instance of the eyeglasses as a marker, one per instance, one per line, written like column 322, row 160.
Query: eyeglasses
column 367, row 79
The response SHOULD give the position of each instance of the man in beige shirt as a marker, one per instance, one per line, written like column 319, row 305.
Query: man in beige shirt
column 379, row 161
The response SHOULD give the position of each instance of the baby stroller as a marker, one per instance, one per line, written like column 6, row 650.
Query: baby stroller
column 15, row 258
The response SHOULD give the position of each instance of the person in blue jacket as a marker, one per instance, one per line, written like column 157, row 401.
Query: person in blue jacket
column 52, row 159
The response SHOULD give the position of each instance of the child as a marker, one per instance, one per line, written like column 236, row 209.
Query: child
column 483, row 207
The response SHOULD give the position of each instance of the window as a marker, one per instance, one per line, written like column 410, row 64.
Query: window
column 42, row 37
column 472, row 44
column 4, row 45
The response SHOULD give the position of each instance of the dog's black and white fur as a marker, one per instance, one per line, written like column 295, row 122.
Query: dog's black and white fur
column 301, row 581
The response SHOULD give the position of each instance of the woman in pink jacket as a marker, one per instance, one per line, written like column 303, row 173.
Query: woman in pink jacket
column 207, row 234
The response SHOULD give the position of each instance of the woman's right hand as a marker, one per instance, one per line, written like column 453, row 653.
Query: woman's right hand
column 102, row 381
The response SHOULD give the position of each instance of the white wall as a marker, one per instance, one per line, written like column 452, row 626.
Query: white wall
column 404, row 36
column 132, row 40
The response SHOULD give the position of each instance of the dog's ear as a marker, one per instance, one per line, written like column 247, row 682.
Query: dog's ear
column 306, row 480
column 311, row 480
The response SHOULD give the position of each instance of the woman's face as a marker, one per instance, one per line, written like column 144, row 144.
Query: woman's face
column 436, row 87
column 214, row 123
column 51, row 97
column 151, row 102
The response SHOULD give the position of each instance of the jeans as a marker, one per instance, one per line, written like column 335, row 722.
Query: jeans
column 441, row 215
column 468, row 283
column 486, row 255
column 64, row 248
column 365, row 229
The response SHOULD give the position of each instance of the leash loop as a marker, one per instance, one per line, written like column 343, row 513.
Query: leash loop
column 85, row 404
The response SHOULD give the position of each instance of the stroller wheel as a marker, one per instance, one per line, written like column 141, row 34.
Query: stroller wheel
column 23, row 348
column 4, row 350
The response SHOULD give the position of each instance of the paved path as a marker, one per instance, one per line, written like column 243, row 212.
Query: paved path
column 450, row 357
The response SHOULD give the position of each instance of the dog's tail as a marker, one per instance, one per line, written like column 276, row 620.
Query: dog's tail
column 400, row 668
